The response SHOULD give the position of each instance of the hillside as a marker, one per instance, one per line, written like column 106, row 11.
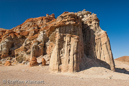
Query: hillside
column 123, row 59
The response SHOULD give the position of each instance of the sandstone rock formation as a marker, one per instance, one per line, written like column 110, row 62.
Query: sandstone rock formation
column 2, row 29
column 7, row 63
column 71, row 42
column 33, row 61
column 43, row 62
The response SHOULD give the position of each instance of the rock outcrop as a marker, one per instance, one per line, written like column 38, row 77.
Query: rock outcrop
column 7, row 63
column 96, row 41
column 33, row 61
column 43, row 62
column 71, row 42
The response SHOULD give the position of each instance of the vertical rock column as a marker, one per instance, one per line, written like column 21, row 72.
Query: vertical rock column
column 70, row 58
column 103, row 49
column 54, row 61
column 65, row 63
column 74, row 64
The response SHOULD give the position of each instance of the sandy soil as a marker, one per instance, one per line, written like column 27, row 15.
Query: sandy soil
column 23, row 75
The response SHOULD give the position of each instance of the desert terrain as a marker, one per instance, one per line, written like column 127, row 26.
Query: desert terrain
column 94, row 76
column 70, row 50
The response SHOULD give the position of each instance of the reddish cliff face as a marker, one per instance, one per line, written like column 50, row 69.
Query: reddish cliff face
column 69, row 43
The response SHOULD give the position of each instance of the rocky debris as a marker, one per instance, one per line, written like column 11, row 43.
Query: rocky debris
column 33, row 61
column 69, row 43
column 9, row 58
column 8, row 63
column 25, row 62
column 20, row 58
column 43, row 62
column 13, row 61
column 3, row 61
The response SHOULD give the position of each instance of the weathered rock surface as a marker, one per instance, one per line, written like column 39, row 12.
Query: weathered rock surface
column 7, row 63
column 43, row 62
column 71, row 42
column 33, row 61
column 96, row 41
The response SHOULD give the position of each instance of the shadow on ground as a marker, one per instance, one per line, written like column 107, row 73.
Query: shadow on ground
column 122, row 70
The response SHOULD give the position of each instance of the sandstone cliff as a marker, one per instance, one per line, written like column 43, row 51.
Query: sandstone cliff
column 69, row 43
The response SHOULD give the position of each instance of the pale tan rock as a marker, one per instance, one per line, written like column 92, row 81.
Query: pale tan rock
column 65, row 55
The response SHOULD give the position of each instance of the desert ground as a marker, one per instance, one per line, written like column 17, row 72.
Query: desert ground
column 23, row 75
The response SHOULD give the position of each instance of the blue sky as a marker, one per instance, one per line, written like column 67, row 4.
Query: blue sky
column 113, row 15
